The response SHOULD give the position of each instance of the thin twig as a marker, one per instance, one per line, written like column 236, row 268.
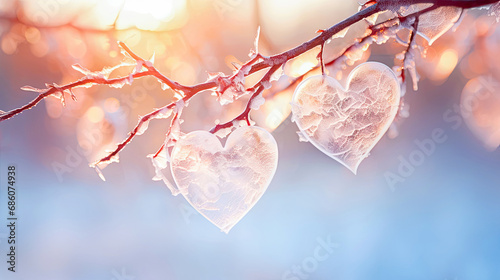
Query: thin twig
column 256, row 63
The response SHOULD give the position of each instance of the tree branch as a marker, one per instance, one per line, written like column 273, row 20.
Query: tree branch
column 221, row 83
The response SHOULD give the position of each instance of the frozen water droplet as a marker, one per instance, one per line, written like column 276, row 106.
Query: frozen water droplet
column 99, row 172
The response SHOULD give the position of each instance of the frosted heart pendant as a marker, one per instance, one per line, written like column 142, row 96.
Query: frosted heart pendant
column 224, row 183
column 346, row 123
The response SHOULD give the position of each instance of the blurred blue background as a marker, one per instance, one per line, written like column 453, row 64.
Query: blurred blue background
column 441, row 223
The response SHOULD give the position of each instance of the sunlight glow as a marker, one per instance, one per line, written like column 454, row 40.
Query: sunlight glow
column 301, row 66
column 274, row 119
column 95, row 114
column 159, row 9
column 446, row 64
column 151, row 15
column 148, row 14
column 32, row 35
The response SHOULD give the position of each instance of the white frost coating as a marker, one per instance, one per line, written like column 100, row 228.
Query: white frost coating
column 411, row 66
column 266, row 84
column 346, row 124
column 142, row 127
column 150, row 61
column 117, row 85
column 130, row 79
column 302, row 137
column 256, row 102
column 277, row 74
column 81, row 69
column 435, row 23
column 164, row 113
column 224, row 183
column 494, row 10
column 179, row 105
column 356, row 52
column 175, row 126
column 341, row 33
column 223, row 132
column 255, row 50
column 160, row 162
column 371, row 20
column 99, row 172
column 30, row 88
column 138, row 66
column 231, row 94
column 104, row 73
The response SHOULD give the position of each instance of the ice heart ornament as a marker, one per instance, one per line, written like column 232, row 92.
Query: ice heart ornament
column 346, row 123
column 224, row 183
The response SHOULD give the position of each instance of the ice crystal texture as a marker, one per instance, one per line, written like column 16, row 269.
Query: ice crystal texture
column 494, row 10
column 224, row 183
column 345, row 124
column 433, row 24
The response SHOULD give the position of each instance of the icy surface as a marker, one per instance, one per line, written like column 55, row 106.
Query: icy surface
column 257, row 102
column 494, row 10
column 435, row 23
column 341, row 33
column 345, row 124
column 224, row 183
column 231, row 94
column 160, row 162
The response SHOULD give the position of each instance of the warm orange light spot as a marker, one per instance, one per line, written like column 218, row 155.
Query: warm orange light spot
column 32, row 35
column 184, row 73
column 77, row 48
column 158, row 49
column 95, row 114
column 40, row 49
column 9, row 45
column 430, row 53
column 301, row 66
column 446, row 64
